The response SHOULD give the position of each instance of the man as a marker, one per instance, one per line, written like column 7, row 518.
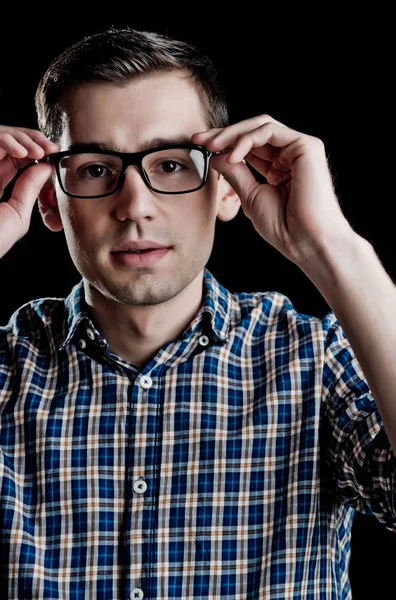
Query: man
column 160, row 436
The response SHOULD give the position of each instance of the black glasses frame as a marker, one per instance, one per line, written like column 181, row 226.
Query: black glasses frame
column 129, row 158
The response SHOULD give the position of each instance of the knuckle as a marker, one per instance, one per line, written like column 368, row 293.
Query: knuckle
column 22, row 135
column 312, row 144
column 263, row 119
column 245, row 137
column 268, row 125
column 26, row 140
column 6, row 137
column 246, row 140
column 317, row 144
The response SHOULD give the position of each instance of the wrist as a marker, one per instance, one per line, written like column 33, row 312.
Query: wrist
column 337, row 260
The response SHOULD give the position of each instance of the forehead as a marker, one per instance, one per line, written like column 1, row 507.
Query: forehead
column 128, row 116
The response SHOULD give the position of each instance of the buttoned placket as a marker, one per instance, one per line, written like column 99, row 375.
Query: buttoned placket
column 137, row 479
column 144, row 485
column 141, row 497
column 137, row 484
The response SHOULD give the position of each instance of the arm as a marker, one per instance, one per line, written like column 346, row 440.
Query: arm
column 298, row 212
column 357, row 288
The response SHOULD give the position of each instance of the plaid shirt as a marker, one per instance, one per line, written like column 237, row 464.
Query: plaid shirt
column 229, row 467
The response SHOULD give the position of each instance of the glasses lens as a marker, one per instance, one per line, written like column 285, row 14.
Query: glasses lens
column 90, row 175
column 175, row 170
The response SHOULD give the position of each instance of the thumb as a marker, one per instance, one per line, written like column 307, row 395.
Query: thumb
column 239, row 176
column 27, row 189
column 15, row 214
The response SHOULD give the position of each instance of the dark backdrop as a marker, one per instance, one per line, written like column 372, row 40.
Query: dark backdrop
column 319, row 72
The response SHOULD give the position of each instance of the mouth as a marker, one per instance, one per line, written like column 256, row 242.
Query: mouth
column 139, row 257
column 143, row 251
column 138, row 246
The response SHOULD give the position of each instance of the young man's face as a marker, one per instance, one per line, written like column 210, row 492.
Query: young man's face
column 128, row 119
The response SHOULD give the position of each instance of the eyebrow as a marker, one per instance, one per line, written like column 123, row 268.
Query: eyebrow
column 146, row 145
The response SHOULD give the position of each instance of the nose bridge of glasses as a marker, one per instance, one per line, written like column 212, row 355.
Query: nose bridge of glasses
column 133, row 159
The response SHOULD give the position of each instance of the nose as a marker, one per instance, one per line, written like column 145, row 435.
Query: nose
column 135, row 201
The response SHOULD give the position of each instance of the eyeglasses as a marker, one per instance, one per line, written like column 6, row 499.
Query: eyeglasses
column 169, row 169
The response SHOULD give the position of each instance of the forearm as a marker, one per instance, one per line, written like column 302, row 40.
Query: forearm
column 354, row 283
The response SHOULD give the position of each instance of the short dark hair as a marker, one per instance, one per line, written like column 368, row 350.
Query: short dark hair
column 119, row 55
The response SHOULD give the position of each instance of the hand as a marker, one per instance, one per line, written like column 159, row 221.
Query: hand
column 297, row 211
column 18, row 148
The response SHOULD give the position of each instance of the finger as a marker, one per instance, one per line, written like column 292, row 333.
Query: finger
column 202, row 136
column 13, row 141
column 221, row 137
column 41, row 140
column 266, row 168
column 19, row 145
column 266, row 152
column 238, row 176
column 269, row 133
column 261, row 165
column 36, row 135
column 33, row 149
column 9, row 145
column 8, row 170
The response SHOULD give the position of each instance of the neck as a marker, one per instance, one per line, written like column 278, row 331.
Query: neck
column 136, row 333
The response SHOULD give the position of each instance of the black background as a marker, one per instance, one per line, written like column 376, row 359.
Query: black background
column 327, row 72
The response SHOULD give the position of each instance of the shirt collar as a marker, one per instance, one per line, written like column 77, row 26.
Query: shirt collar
column 77, row 312
column 215, row 311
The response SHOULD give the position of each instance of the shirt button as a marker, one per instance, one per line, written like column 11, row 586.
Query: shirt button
column 204, row 340
column 136, row 594
column 82, row 343
column 90, row 334
column 145, row 382
column 140, row 486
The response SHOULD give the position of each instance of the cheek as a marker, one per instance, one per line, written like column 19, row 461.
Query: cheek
column 78, row 224
column 199, row 212
column 196, row 224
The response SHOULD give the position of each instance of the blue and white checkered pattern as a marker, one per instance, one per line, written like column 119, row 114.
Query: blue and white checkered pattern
column 228, row 468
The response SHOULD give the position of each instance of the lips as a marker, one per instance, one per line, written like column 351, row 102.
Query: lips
column 139, row 257
column 132, row 246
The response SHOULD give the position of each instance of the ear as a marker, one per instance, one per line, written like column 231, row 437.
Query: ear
column 48, row 206
column 228, row 202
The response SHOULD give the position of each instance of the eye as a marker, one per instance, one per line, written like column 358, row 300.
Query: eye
column 170, row 166
column 95, row 171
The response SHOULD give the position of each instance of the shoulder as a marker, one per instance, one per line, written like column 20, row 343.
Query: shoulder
column 38, row 322
column 274, row 311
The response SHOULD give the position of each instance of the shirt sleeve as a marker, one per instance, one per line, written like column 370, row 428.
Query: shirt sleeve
column 5, row 364
column 356, row 446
